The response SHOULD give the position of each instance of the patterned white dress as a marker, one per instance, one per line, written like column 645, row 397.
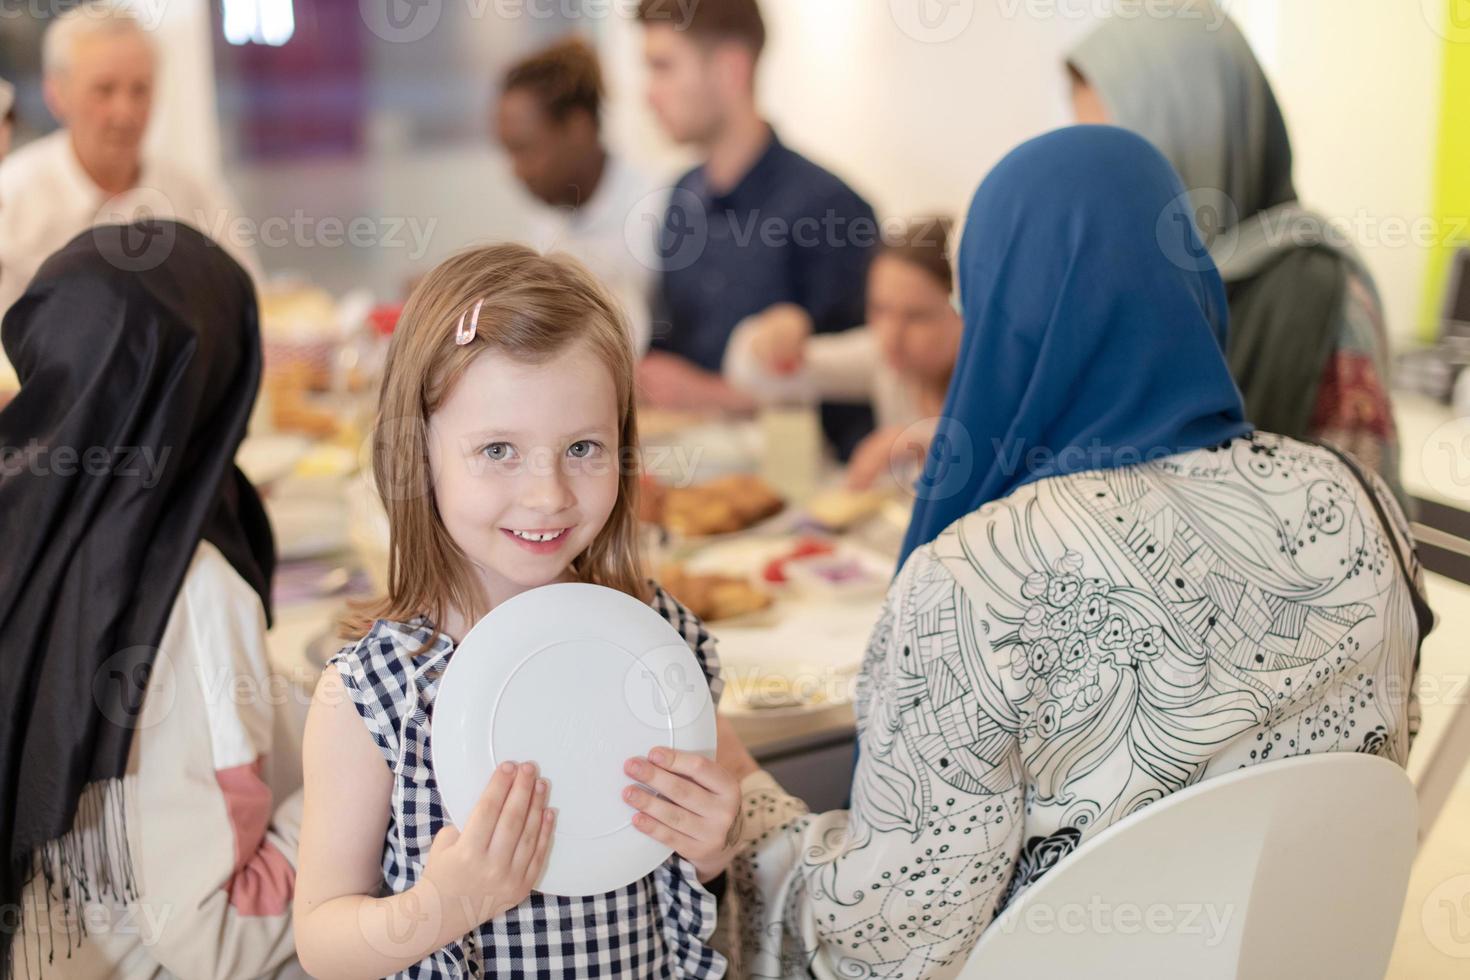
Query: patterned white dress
column 657, row 926
column 1065, row 656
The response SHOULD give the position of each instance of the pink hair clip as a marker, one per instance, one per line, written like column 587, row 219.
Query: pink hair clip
column 463, row 333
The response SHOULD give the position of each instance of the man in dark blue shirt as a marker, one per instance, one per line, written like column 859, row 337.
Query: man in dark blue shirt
column 752, row 231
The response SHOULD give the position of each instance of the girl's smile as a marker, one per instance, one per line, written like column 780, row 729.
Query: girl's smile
column 540, row 541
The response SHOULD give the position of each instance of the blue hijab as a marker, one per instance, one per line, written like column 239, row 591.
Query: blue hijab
column 1094, row 326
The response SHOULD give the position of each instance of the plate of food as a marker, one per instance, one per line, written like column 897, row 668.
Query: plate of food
column 718, row 597
column 723, row 506
column 576, row 678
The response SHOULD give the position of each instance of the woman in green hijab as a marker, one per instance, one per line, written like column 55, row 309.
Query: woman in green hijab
column 1307, row 344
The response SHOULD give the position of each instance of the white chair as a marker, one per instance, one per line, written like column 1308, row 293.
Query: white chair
column 1289, row 869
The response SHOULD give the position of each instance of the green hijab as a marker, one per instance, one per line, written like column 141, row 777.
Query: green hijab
column 1183, row 76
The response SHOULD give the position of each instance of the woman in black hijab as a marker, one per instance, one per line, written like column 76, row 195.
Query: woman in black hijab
column 134, row 593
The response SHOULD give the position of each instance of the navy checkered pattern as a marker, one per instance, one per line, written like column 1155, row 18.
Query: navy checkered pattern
column 655, row 927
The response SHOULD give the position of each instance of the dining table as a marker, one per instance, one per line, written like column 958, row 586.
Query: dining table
column 809, row 643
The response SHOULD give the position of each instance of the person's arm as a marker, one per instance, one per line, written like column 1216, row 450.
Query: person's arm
column 836, row 367
column 671, row 382
column 342, row 928
column 897, row 450
column 904, row 883
column 212, row 852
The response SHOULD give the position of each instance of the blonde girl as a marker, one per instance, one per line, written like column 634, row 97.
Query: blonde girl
column 505, row 456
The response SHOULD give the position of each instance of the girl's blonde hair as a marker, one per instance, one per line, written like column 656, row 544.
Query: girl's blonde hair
column 534, row 307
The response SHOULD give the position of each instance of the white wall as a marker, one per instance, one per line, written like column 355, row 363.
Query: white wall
column 1359, row 81
column 911, row 119
column 184, row 126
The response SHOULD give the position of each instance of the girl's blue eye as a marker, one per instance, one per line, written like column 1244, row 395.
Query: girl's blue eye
column 497, row 451
column 582, row 449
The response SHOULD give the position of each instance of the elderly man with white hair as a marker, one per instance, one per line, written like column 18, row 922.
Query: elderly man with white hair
column 99, row 64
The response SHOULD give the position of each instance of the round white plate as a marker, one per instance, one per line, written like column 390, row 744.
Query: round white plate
column 577, row 679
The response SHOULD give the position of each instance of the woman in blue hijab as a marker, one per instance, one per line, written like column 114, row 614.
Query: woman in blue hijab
column 1112, row 588
column 1094, row 327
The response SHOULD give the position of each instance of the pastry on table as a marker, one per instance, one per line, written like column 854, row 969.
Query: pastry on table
column 841, row 508
column 713, row 597
column 291, row 409
column 651, row 495
column 722, row 506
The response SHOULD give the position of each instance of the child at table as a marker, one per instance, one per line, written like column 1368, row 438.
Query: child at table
column 900, row 362
column 504, row 456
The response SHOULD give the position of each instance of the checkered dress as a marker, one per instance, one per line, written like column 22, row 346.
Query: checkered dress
column 655, row 927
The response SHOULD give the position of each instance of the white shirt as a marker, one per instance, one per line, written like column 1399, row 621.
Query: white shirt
column 615, row 234
column 213, row 851
column 844, row 367
column 47, row 199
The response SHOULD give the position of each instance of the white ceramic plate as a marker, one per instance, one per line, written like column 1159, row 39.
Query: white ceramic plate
column 577, row 679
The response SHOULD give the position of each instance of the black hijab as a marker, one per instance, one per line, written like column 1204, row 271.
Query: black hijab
column 138, row 352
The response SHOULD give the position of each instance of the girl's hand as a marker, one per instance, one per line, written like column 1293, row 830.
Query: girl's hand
column 698, row 813
column 491, row 866
column 897, row 450
column 780, row 336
